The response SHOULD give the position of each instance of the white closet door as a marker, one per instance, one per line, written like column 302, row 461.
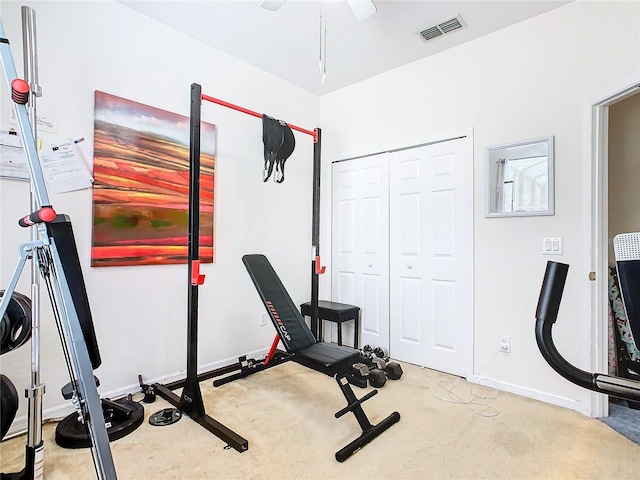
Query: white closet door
column 360, row 246
column 431, row 255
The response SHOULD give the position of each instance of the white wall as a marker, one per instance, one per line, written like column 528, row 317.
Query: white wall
column 529, row 80
column 140, row 313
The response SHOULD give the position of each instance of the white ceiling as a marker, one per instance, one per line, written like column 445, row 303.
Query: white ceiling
column 287, row 42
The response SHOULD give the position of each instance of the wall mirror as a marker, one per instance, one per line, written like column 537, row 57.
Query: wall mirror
column 520, row 178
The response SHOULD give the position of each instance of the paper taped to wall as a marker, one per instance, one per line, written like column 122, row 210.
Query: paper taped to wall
column 13, row 160
column 64, row 167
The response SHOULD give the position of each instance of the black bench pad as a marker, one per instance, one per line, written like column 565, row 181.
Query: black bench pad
column 328, row 356
column 293, row 331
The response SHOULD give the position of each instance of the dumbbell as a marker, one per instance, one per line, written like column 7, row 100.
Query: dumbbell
column 381, row 352
column 393, row 370
column 377, row 378
column 360, row 370
column 378, row 357
column 379, row 363
column 359, row 375
column 367, row 351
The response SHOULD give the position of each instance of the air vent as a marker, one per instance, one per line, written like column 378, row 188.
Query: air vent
column 430, row 33
column 447, row 26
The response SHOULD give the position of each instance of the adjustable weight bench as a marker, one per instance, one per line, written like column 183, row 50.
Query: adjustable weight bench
column 327, row 358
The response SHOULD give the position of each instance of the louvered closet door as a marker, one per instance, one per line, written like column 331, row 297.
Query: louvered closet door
column 360, row 246
column 430, row 255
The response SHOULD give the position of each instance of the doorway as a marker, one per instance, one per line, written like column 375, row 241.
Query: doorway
column 599, row 147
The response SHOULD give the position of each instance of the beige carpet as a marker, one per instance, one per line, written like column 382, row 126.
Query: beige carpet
column 287, row 415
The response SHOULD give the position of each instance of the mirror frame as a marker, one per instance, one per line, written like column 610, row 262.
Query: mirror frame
column 549, row 141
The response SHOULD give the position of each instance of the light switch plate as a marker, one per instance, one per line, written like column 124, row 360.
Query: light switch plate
column 552, row 246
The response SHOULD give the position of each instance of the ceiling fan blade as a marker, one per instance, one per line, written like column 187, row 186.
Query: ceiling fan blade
column 272, row 5
column 362, row 9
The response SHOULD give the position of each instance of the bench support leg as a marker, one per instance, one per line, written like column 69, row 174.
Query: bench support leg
column 369, row 431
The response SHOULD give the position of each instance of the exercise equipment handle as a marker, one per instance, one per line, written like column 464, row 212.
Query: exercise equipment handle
column 551, row 291
column 19, row 91
column 45, row 214
column 546, row 315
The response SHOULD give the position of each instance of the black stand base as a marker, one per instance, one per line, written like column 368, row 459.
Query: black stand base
column 190, row 404
column 366, row 437
column 354, row 405
column 247, row 366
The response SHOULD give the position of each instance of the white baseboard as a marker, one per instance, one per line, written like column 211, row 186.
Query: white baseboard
column 569, row 403
column 19, row 425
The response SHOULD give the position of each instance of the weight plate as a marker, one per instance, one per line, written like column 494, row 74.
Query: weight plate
column 71, row 433
column 8, row 404
column 164, row 417
column 16, row 323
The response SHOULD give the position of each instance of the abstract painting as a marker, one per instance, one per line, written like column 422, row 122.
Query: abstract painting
column 141, row 185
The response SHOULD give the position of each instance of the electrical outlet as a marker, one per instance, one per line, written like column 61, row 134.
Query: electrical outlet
column 264, row 318
column 505, row 344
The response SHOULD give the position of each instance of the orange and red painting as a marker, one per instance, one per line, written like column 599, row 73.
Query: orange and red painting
column 141, row 185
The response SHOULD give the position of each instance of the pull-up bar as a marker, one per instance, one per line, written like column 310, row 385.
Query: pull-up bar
column 313, row 133
column 316, row 265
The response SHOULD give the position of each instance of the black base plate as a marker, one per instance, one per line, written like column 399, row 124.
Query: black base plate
column 166, row 416
column 70, row 433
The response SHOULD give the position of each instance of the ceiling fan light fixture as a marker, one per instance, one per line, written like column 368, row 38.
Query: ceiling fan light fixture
column 272, row 5
column 362, row 9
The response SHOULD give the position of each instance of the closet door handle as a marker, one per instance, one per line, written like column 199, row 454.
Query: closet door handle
column 409, row 266
column 370, row 265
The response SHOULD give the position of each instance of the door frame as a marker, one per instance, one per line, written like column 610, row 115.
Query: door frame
column 597, row 119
